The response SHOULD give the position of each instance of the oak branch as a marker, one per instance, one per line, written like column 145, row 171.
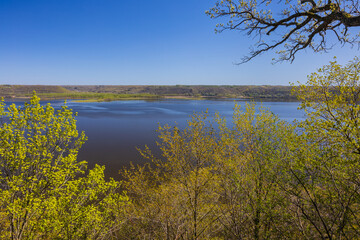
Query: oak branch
column 298, row 24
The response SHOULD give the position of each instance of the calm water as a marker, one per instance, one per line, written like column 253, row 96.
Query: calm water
column 115, row 129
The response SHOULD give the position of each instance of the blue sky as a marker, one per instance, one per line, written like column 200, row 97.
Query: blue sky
column 120, row 42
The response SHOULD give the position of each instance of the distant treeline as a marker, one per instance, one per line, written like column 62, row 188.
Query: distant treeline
column 114, row 92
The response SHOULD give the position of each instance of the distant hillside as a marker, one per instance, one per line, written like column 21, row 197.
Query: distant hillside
column 264, row 91
column 15, row 91
column 108, row 92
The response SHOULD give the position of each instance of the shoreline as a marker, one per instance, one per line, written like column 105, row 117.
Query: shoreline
column 103, row 93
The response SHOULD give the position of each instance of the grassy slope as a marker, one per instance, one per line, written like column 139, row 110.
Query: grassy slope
column 11, row 91
column 194, row 91
column 109, row 93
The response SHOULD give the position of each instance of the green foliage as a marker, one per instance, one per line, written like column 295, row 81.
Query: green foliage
column 260, row 178
column 256, row 146
column 329, row 154
column 213, row 181
column 44, row 193
column 176, row 198
column 256, row 178
column 331, row 100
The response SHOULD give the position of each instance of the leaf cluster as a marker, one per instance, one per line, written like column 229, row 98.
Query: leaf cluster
column 44, row 191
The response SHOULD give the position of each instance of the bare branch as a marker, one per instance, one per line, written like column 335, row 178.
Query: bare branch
column 306, row 24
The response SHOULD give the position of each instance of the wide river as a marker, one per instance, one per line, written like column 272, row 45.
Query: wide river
column 116, row 129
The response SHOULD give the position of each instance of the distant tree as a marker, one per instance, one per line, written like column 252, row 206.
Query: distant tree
column 290, row 24
column 44, row 193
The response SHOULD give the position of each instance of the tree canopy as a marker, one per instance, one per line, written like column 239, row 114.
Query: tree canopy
column 258, row 177
column 289, row 26
column 44, row 191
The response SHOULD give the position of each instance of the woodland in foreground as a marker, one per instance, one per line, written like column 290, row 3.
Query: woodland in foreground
column 256, row 178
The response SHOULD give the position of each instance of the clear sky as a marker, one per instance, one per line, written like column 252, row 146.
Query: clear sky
column 125, row 42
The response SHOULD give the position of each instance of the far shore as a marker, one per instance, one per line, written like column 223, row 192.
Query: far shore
column 103, row 93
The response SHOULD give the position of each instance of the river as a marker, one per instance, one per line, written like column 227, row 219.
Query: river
column 116, row 129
